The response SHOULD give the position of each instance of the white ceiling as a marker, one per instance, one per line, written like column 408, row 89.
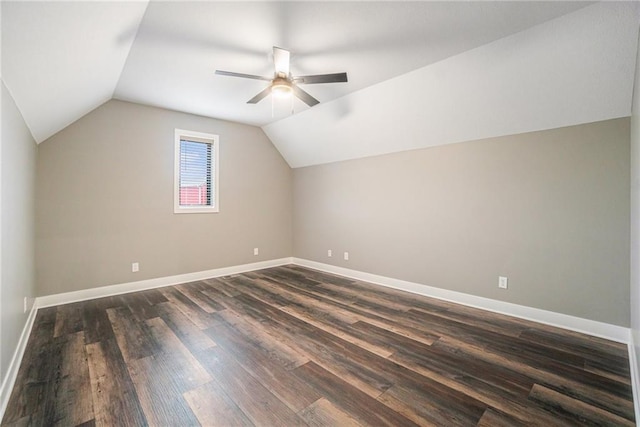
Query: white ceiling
column 179, row 46
column 578, row 68
column 475, row 60
column 62, row 60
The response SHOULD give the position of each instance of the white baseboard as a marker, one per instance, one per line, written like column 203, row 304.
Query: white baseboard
column 635, row 378
column 14, row 365
column 125, row 288
column 591, row 327
column 586, row 326
column 104, row 291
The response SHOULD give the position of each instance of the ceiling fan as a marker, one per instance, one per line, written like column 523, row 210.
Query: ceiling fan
column 283, row 83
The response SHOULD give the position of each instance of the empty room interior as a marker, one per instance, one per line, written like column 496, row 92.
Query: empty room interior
column 320, row 213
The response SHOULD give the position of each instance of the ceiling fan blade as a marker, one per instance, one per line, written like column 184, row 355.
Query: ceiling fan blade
column 304, row 96
column 259, row 97
column 321, row 78
column 244, row 76
column 281, row 59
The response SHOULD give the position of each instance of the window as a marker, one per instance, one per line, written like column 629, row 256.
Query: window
column 196, row 172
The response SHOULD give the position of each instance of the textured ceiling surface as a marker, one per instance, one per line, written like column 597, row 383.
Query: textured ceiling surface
column 420, row 64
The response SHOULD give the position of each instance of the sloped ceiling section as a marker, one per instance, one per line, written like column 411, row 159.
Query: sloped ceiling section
column 180, row 44
column 62, row 60
column 577, row 68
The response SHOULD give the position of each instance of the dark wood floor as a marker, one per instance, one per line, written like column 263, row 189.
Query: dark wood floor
column 290, row 346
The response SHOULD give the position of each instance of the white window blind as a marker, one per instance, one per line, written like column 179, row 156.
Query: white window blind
column 196, row 172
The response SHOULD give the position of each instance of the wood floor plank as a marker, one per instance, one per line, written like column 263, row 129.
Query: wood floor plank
column 462, row 329
column 324, row 413
column 489, row 324
column 574, row 409
column 159, row 393
column 299, row 296
column 493, row 418
column 604, row 352
column 316, row 275
column 284, row 275
column 334, row 327
column 27, row 420
column 373, row 374
column 320, row 293
column 296, row 273
column 140, row 307
column 28, row 395
column 348, row 308
column 279, row 381
column 397, row 328
column 219, row 286
column 248, row 287
column 339, row 356
column 114, row 396
column 213, row 407
column 358, row 295
column 192, row 291
column 153, row 296
column 350, row 399
column 96, row 323
column 512, row 348
column 68, row 384
column 509, row 405
column 68, row 319
column 278, row 350
column 294, row 346
column 394, row 340
column 257, row 402
column 182, row 366
column 435, row 406
column 189, row 308
column 607, row 370
column 574, row 387
column 307, row 300
column 575, row 341
column 134, row 338
column 184, row 328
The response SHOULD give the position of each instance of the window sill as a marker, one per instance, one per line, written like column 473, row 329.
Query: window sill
column 195, row 210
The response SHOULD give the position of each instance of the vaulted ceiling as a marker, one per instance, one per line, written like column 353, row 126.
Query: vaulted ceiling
column 420, row 73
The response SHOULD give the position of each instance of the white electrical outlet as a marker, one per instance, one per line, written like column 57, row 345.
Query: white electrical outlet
column 135, row 267
column 329, row 253
column 24, row 308
column 346, row 256
column 503, row 282
column 256, row 251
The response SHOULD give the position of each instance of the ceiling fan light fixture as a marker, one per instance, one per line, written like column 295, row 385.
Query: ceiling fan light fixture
column 281, row 88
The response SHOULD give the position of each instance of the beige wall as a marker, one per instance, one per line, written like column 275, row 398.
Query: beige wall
column 17, row 198
column 105, row 200
column 549, row 210
column 635, row 222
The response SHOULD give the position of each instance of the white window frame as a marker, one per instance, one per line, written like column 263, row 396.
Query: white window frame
column 200, row 137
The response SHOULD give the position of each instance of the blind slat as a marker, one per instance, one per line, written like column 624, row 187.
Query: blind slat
column 195, row 172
